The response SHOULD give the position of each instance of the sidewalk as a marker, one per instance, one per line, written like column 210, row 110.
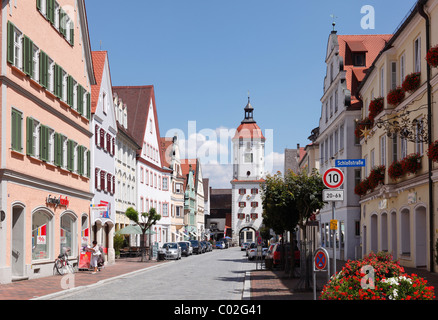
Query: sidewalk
column 277, row 285
column 35, row 288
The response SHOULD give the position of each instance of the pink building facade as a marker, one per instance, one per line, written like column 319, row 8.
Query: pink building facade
column 45, row 192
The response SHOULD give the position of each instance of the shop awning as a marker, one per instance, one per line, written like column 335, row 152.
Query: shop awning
column 133, row 229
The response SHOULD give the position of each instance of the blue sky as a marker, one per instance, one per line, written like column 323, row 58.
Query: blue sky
column 203, row 56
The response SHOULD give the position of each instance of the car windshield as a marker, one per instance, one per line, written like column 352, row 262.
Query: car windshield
column 183, row 244
column 219, row 242
column 194, row 242
column 170, row 245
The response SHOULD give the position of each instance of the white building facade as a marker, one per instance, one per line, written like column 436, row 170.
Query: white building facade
column 248, row 173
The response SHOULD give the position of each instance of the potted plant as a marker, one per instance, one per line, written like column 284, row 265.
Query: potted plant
column 375, row 107
column 411, row 163
column 395, row 96
column 432, row 56
column 377, row 175
column 411, row 82
column 432, row 151
column 395, row 170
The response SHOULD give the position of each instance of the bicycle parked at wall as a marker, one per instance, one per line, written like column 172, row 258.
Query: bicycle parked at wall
column 62, row 265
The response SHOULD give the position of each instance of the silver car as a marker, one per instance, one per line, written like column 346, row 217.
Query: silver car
column 171, row 250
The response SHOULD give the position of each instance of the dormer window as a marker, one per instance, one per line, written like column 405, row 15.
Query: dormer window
column 359, row 59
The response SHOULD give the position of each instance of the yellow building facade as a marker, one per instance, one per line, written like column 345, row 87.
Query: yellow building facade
column 397, row 215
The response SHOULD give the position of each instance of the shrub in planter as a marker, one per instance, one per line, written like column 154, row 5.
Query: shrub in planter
column 411, row 163
column 375, row 107
column 390, row 282
column 432, row 56
column 395, row 170
column 411, row 82
column 377, row 175
column 395, row 96
column 362, row 187
column 432, row 151
column 364, row 123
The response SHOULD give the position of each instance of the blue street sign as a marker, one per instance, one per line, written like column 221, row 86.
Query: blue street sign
column 350, row 163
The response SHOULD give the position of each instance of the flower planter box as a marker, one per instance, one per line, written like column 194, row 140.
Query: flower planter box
column 411, row 163
column 411, row 82
column 432, row 57
column 395, row 170
column 375, row 107
column 395, row 96
column 432, row 151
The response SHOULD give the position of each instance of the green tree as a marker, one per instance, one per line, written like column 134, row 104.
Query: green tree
column 145, row 220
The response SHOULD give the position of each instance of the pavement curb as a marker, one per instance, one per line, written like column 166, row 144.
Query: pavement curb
column 98, row 283
column 246, row 295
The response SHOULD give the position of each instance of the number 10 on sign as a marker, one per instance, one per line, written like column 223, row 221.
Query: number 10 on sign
column 333, row 178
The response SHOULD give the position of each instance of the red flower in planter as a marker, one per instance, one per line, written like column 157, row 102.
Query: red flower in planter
column 362, row 187
column 395, row 96
column 395, row 170
column 432, row 151
column 375, row 107
column 411, row 82
column 432, row 56
column 377, row 175
column 411, row 163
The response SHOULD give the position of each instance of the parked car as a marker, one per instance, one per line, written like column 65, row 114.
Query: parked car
column 189, row 244
column 170, row 250
column 252, row 253
column 196, row 246
column 249, row 247
column 226, row 242
column 185, row 248
column 243, row 246
column 205, row 245
column 275, row 253
column 209, row 246
column 220, row 245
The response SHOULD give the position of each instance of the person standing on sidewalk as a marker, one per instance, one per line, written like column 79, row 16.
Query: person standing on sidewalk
column 95, row 255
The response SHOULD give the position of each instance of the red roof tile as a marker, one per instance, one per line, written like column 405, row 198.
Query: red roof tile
column 249, row 130
column 98, row 58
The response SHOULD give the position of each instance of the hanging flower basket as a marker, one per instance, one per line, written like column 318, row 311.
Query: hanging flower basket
column 362, row 125
column 432, row 57
column 389, row 281
column 395, row 96
column 411, row 82
column 432, row 151
column 375, row 107
column 411, row 163
column 395, row 170
column 377, row 176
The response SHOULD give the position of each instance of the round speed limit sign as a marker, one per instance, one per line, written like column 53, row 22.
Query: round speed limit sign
column 333, row 178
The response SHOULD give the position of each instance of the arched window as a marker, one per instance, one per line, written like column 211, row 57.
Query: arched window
column 41, row 235
column 67, row 233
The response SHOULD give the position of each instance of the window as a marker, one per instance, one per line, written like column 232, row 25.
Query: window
column 35, row 62
column 50, row 75
column 51, row 145
column 417, row 55
column 178, row 211
column 66, row 233
column 16, row 129
column 104, row 103
column 419, row 148
column 32, row 137
column 359, row 59
column 248, row 157
column 403, row 147
column 341, row 137
column 254, row 191
column 372, row 164
column 382, row 82
column 242, row 191
column 336, row 141
column 393, row 75
column 336, row 101
column 15, row 43
column 242, row 204
column 254, row 204
column 141, row 174
column 56, row 13
column 383, row 150
column 395, row 149
column 41, row 235
column 356, row 177
column 178, row 188
column 165, row 209
column 165, row 183
column 64, row 86
column 402, row 68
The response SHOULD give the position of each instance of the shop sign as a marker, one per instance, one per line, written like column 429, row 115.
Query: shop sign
column 61, row 201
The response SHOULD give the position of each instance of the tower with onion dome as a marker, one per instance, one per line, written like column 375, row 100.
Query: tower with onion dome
column 248, row 172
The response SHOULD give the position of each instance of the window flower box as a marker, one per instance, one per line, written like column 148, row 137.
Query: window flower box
column 395, row 96
column 432, row 57
column 395, row 170
column 362, row 187
column 432, row 151
column 375, row 107
column 377, row 176
column 411, row 82
column 411, row 163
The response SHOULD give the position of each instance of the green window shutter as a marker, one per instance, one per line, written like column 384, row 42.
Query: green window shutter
column 16, row 130
column 72, row 33
column 81, row 160
column 44, row 143
column 88, row 106
column 55, row 149
column 55, row 79
column 27, row 55
column 88, row 163
column 38, row 4
column 50, row 8
column 70, row 90
column 62, row 20
column 44, row 69
column 11, row 28
column 70, row 155
column 80, row 98
column 29, row 136
column 58, row 81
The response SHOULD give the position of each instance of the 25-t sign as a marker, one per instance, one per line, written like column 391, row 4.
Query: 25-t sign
column 333, row 178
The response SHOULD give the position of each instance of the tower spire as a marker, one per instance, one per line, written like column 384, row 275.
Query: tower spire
column 248, row 112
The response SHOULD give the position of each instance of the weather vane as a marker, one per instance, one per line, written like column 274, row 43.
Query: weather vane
column 333, row 23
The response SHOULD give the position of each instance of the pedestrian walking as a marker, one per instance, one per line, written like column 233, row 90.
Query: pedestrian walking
column 95, row 255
